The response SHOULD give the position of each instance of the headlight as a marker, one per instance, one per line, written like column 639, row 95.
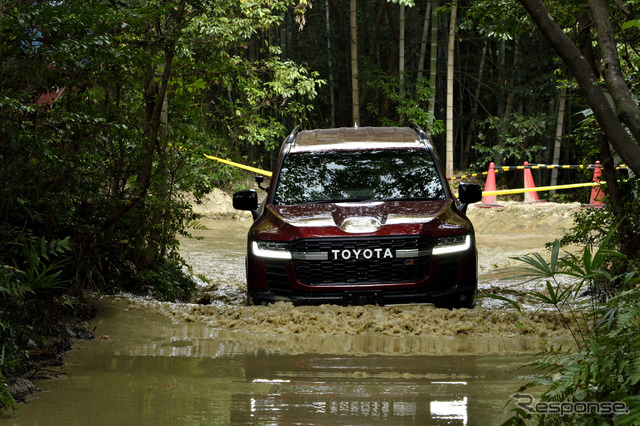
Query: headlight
column 270, row 249
column 454, row 244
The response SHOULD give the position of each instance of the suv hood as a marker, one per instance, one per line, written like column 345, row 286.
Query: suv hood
column 358, row 217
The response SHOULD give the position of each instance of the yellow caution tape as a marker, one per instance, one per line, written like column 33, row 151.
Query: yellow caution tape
column 231, row 163
column 540, row 188
column 242, row 166
column 484, row 193
column 534, row 167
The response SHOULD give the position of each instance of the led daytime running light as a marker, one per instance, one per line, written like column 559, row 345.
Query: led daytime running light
column 453, row 248
column 269, row 253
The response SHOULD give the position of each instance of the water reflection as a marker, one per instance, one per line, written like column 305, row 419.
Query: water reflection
column 337, row 390
column 155, row 371
column 450, row 410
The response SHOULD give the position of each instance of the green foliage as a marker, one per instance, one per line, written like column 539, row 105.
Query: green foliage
column 631, row 24
column 69, row 166
column 94, row 185
column 168, row 281
column 31, row 264
column 519, row 137
column 604, row 366
column 6, row 399
column 407, row 108
column 270, row 91
column 409, row 3
column 592, row 225
column 501, row 20
column 7, row 363
column 30, row 268
column 585, row 134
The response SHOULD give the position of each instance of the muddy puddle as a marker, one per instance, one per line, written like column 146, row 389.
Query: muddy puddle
column 144, row 368
column 228, row 363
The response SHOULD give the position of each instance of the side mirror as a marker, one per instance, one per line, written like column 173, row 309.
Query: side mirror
column 246, row 200
column 468, row 193
column 259, row 180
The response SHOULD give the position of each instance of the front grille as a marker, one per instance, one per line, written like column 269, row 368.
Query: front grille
column 363, row 271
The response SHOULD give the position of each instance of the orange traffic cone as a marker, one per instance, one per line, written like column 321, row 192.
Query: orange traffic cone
column 531, row 196
column 490, row 185
column 597, row 194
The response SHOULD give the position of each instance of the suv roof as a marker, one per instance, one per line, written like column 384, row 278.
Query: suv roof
column 347, row 138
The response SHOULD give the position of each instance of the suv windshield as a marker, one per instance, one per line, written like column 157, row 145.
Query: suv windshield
column 384, row 174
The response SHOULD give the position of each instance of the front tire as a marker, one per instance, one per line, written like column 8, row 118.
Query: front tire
column 463, row 300
column 252, row 300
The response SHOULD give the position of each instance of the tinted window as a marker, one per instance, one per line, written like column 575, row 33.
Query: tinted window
column 358, row 175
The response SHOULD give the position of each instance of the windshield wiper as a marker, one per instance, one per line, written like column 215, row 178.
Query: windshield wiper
column 411, row 199
column 335, row 200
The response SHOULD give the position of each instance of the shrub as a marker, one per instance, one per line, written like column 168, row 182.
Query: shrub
column 601, row 310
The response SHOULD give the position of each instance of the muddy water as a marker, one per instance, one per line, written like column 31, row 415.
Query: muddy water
column 147, row 369
column 228, row 363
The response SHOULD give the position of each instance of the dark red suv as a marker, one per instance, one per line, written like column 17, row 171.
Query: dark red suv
column 360, row 215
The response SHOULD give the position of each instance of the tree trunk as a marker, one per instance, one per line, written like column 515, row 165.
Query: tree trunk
column 373, row 43
column 401, row 54
column 155, row 104
column 612, row 70
column 474, row 109
column 433, row 68
column 509, row 103
column 450, row 61
column 373, row 46
column 558, row 142
column 355, row 101
column 424, row 40
column 628, row 241
column 161, row 192
column 624, row 145
column 331, row 94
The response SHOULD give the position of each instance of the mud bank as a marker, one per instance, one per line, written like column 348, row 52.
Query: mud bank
column 332, row 320
column 550, row 219
column 218, row 205
column 354, row 330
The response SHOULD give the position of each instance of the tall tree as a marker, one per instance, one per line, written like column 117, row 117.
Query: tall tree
column 433, row 68
column 618, row 119
column 558, row 139
column 355, row 93
column 155, row 98
column 332, row 102
column 611, row 119
column 450, row 80
column 401, row 54
column 475, row 102
column 424, row 40
column 96, row 164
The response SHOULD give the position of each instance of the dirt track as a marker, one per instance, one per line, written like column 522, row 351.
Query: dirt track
column 550, row 219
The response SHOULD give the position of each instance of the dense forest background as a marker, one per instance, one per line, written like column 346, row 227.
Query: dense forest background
column 107, row 107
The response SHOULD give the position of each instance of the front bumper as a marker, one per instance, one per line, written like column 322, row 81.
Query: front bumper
column 454, row 293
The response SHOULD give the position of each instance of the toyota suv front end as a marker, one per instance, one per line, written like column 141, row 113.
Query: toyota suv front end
column 360, row 215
